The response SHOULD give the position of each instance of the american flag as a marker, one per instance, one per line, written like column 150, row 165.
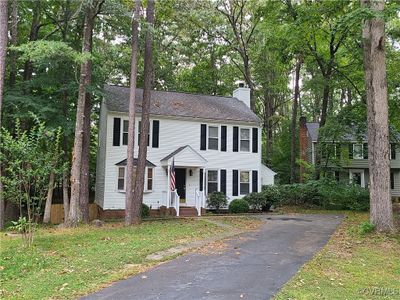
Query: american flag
column 172, row 175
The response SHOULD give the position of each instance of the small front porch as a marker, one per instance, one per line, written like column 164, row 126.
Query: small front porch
column 188, row 197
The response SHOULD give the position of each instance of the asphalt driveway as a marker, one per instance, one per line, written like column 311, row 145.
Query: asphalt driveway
column 251, row 266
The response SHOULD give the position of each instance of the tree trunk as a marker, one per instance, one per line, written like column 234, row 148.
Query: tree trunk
column 381, row 211
column 293, row 145
column 148, row 77
column 75, row 214
column 33, row 36
column 65, row 188
column 14, row 41
column 3, row 52
column 84, row 193
column 47, row 207
column 132, row 209
column 325, row 97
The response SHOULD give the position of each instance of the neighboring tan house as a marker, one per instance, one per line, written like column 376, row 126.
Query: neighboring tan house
column 214, row 142
column 351, row 156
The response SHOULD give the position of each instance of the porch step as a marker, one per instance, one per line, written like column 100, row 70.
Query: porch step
column 187, row 211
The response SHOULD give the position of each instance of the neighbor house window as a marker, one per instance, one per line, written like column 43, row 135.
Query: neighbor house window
column 212, row 181
column 150, row 179
column 125, row 129
column 121, row 178
column 244, row 182
column 244, row 139
column 358, row 151
column 213, row 137
column 392, row 151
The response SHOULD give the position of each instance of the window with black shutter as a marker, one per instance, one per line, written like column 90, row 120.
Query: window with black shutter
column 392, row 180
column 254, row 181
column 350, row 151
column 235, row 183
column 203, row 137
column 223, row 181
column 392, row 151
column 365, row 151
column 139, row 131
column 117, row 132
column 223, row 138
column 156, row 134
column 235, row 139
column 255, row 140
column 201, row 179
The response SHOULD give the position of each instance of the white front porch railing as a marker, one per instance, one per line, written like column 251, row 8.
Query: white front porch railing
column 199, row 201
column 175, row 201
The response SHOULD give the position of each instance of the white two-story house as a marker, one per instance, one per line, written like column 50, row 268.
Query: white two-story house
column 214, row 142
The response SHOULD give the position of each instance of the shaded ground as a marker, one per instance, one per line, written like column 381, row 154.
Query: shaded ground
column 252, row 265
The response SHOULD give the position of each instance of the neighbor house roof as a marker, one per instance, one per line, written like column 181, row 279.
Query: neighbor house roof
column 313, row 128
column 176, row 104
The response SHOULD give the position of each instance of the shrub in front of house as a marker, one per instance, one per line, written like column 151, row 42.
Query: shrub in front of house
column 216, row 200
column 322, row 193
column 259, row 201
column 239, row 206
column 145, row 211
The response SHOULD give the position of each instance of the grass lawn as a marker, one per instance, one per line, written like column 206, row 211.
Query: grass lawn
column 351, row 266
column 65, row 263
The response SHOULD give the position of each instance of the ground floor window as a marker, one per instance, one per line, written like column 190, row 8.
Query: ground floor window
column 357, row 177
column 212, row 181
column 392, row 180
column 244, row 182
column 148, row 178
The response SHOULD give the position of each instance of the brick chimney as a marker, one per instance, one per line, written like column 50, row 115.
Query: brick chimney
column 303, row 145
column 242, row 93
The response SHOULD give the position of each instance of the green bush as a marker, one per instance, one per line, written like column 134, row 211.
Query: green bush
column 239, row 206
column 217, row 200
column 145, row 211
column 366, row 227
column 327, row 194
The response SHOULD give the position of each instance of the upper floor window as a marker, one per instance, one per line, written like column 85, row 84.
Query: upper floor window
column 212, row 181
column 245, row 139
column 125, row 129
column 358, row 151
column 213, row 137
column 244, row 182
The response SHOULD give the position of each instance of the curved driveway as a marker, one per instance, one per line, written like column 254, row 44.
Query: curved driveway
column 253, row 265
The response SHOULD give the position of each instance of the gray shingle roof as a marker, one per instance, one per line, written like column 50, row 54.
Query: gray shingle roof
column 176, row 104
column 135, row 162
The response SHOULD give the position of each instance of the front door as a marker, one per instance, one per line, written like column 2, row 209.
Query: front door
column 180, row 178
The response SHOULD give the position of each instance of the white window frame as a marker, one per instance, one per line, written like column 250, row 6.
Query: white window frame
column 240, row 138
column 240, row 182
column 146, row 178
column 218, row 179
column 124, row 132
column 361, row 171
column 358, row 155
column 218, row 137
column 118, row 178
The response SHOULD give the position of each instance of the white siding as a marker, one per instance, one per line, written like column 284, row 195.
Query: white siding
column 174, row 134
column 101, row 157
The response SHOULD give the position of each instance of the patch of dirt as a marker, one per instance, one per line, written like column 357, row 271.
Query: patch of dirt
column 215, row 248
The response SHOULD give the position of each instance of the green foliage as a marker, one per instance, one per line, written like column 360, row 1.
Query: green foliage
column 239, row 206
column 145, row 211
column 25, row 228
column 216, row 200
column 366, row 227
column 324, row 193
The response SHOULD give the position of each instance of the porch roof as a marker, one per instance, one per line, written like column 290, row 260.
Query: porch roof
column 184, row 156
column 135, row 162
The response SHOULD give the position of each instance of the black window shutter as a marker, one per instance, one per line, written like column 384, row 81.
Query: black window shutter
column 235, row 183
column 117, row 132
column 365, row 151
column 203, row 137
column 156, row 134
column 350, row 151
column 254, row 181
column 235, row 139
column 201, row 179
column 223, row 181
column 255, row 140
column 392, row 151
column 223, row 138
